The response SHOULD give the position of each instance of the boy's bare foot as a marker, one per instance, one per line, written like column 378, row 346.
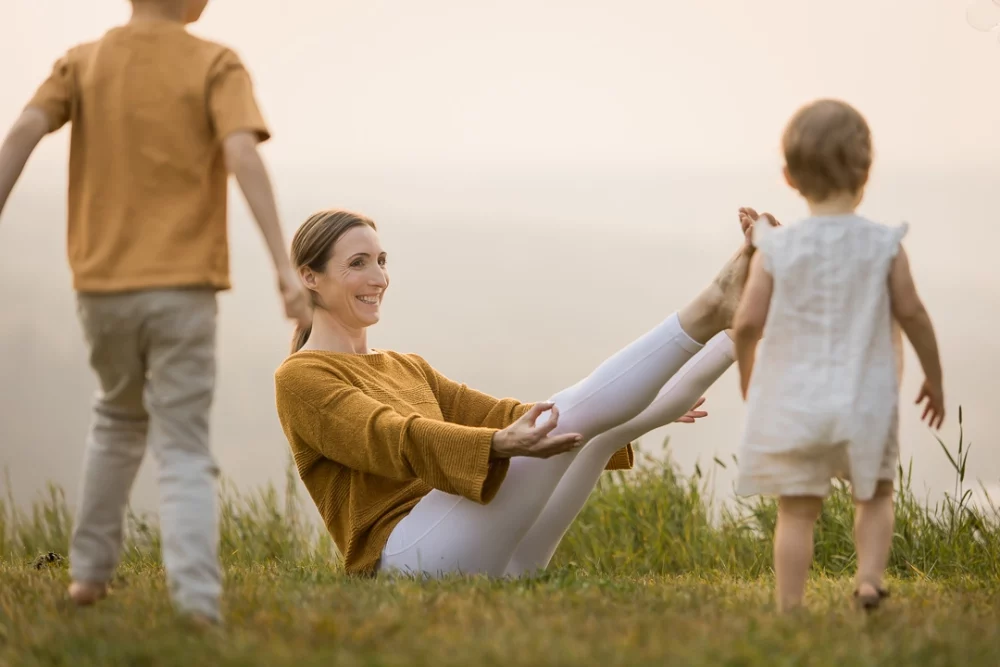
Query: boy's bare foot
column 85, row 593
column 867, row 597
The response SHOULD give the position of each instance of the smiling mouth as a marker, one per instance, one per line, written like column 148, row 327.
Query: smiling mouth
column 369, row 300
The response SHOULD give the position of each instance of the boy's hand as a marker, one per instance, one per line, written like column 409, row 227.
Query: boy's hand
column 935, row 404
column 298, row 305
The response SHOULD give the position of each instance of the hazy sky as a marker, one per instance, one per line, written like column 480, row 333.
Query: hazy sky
column 564, row 82
column 605, row 144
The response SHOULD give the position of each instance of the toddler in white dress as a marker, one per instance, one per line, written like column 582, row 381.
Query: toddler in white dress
column 822, row 395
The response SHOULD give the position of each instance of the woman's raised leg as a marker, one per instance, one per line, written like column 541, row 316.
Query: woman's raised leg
column 682, row 391
column 445, row 533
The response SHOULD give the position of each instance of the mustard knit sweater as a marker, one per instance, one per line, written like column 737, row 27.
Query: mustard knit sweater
column 373, row 433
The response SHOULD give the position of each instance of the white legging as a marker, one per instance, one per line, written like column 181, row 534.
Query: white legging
column 518, row 531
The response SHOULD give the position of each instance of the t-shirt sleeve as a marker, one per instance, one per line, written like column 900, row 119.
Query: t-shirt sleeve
column 231, row 101
column 55, row 96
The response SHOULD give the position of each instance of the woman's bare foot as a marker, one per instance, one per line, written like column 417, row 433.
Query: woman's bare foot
column 85, row 593
column 712, row 310
column 748, row 216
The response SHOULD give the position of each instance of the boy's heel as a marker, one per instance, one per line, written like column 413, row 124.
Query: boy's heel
column 869, row 602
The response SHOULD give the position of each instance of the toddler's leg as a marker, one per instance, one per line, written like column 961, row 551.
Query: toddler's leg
column 873, row 525
column 115, row 444
column 182, row 325
column 793, row 547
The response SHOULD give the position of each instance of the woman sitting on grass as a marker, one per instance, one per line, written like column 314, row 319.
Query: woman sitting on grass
column 414, row 472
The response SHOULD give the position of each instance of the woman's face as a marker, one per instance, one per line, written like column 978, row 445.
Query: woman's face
column 354, row 282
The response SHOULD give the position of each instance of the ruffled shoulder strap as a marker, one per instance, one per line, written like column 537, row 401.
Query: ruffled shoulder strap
column 894, row 238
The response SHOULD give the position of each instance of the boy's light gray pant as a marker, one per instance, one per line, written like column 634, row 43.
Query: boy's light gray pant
column 154, row 355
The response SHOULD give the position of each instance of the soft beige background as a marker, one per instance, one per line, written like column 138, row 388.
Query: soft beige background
column 551, row 177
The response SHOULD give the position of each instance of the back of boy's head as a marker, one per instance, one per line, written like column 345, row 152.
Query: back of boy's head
column 828, row 150
column 190, row 9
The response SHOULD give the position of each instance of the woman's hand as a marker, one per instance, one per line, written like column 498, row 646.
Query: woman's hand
column 694, row 413
column 524, row 438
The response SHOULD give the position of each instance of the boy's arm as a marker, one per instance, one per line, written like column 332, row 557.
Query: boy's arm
column 240, row 127
column 750, row 317
column 47, row 111
column 245, row 163
column 909, row 311
column 20, row 143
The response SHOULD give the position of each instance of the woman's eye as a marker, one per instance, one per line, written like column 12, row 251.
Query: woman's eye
column 382, row 261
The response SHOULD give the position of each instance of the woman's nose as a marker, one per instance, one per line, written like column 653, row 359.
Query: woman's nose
column 379, row 279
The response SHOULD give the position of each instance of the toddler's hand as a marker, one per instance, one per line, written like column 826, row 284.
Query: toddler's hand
column 934, row 395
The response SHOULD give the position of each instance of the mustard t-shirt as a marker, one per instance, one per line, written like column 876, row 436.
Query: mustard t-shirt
column 149, row 106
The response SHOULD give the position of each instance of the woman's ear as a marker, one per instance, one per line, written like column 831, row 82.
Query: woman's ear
column 308, row 277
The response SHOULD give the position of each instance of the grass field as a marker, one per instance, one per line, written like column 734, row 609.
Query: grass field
column 652, row 572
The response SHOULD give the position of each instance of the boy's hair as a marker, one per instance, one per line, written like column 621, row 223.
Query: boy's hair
column 828, row 149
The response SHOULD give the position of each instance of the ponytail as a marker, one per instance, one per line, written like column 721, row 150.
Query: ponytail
column 300, row 337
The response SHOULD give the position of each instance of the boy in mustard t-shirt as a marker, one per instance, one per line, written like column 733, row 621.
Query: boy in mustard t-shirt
column 159, row 119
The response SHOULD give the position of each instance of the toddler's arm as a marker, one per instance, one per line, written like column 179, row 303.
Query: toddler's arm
column 245, row 163
column 909, row 311
column 750, row 317
column 20, row 143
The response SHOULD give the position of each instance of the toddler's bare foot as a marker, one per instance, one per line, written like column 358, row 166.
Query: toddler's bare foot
column 201, row 623
column 85, row 593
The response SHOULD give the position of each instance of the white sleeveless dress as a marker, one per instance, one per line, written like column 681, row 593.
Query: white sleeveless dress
column 823, row 398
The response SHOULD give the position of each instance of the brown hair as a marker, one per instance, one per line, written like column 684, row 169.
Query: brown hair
column 828, row 149
column 312, row 247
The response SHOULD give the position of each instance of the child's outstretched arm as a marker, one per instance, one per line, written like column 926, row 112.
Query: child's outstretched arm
column 245, row 163
column 909, row 311
column 750, row 317
column 27, row 131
